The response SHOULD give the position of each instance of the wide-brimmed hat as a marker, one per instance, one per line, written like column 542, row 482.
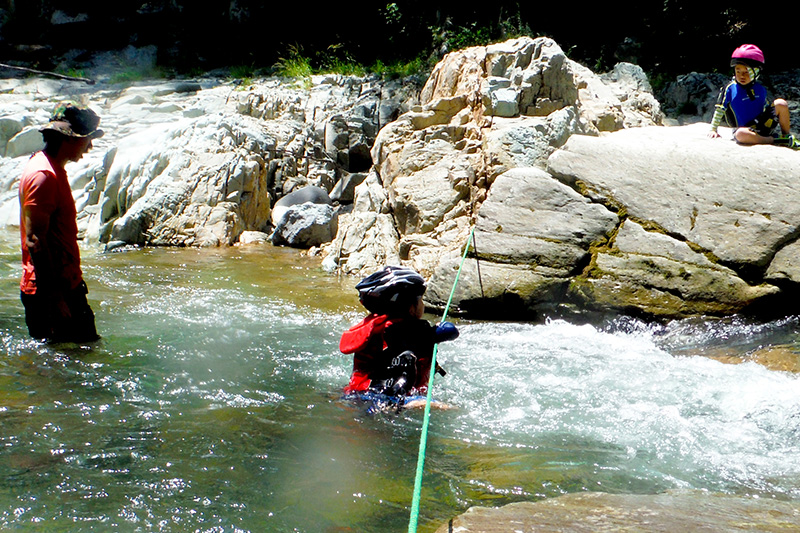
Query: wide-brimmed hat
column 74, row 121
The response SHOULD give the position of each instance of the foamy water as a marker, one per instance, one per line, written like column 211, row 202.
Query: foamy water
column 213, row 403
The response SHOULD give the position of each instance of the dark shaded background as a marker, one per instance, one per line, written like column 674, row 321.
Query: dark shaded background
column 666, row 37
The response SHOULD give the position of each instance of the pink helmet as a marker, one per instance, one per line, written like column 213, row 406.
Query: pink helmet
column 748, row 54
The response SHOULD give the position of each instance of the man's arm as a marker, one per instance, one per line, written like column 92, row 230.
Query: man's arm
column 37, row 222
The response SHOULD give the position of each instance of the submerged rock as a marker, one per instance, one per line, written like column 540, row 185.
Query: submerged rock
column 661, row 513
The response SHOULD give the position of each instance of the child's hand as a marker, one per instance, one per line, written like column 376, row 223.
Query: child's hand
column 446, row 331
column 714, row 134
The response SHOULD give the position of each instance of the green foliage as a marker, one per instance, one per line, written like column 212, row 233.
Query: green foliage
column 295, row 65
column 242, row 71
column 243, row 76
column 392, row 14
column 449, row 36
column 399, row 69
column 337, row 60
column 133, row 75
column 514, row 26
column 472, row 34
column 72, row 72
column 242, row 84
column 345, row 68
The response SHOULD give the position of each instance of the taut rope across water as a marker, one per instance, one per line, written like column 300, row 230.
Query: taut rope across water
column 412, row 523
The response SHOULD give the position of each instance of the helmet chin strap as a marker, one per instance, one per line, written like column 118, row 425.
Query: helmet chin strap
column 753, row 72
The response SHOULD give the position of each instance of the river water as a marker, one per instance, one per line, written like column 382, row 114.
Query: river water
column 212, row 404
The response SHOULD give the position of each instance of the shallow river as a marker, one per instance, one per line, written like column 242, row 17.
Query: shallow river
column 212, row 404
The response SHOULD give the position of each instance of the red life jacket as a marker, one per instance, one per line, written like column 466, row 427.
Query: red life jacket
column 365, row 341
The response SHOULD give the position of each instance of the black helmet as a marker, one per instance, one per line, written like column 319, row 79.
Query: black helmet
column 390, row 290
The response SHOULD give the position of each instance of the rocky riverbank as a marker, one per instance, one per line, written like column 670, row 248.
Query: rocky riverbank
column 582, row 200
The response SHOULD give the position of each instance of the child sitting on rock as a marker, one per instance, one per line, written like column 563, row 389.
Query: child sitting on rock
column 743, row 104
column 393, row 346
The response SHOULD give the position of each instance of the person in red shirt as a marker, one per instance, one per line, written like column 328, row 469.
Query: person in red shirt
column 392, row 347
column 52, row 288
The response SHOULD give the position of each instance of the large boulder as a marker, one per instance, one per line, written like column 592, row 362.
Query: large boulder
column 331, row 127
column 367, row 238
column 26, row 142
column 652, row 221
column 201, row 184
column 647, row 272
column 532, row 235
column 531, row 218
column 306, row 225
column 630, row 85
column 311, row 193
column 484, row 111
column 526, row 141
column 735, row 203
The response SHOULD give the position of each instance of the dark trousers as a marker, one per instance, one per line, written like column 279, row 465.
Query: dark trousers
column 46, row 323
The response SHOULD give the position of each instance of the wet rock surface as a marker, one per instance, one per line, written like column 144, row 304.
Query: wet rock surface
column 661, row 513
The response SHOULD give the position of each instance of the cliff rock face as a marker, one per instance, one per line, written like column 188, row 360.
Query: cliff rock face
column 199, row 163
column 483, row 111
column 580, row 200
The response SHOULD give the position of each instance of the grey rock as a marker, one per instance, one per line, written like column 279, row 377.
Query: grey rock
column 736, row 203
column 345, row 189
column 312, row 194
column 306, row 225
column 25, row 142
column 531, row 235
column 660, row 513
column 531, row 218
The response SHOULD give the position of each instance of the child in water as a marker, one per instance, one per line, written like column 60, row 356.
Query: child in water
column 743, row 104
column 393, row 346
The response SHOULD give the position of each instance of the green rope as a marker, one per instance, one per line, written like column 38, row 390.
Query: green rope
column 412, row 523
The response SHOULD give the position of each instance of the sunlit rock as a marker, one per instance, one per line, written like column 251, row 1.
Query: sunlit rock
column 668, row 512
column 306, row 225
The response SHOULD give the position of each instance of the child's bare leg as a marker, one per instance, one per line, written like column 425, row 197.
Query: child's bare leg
column 748, row 136
column 782, row 111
